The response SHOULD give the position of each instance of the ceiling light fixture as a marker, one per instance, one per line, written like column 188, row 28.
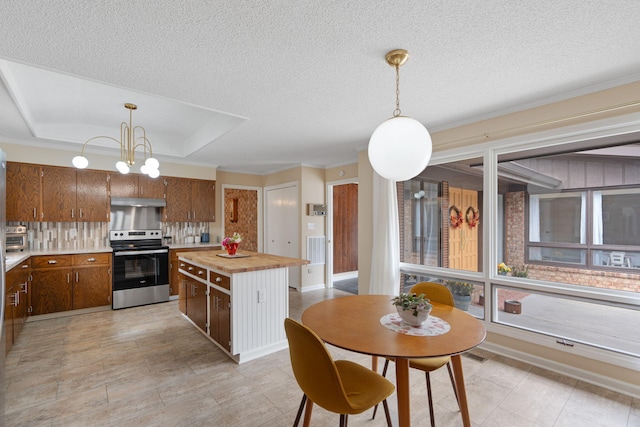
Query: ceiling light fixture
column 400, row 148
column 129, row 142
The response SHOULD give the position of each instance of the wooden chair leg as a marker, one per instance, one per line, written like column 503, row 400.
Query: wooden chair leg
column 307, row 413
column 297, row 421
column 453, row 383
column 431, row 415
column 384, row 374
column 344, row 419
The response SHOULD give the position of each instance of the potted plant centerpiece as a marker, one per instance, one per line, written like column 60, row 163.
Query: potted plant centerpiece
column 461, row 294
column 231, row 243
column 413, row 309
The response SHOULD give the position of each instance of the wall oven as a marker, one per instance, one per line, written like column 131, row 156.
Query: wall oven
column 140, row 268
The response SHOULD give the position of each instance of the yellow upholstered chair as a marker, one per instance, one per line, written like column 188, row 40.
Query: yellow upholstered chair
column 339, row 386
column 436, row 293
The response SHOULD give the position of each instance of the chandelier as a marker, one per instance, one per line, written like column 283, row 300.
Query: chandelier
column 400, row 148
column 131, row 138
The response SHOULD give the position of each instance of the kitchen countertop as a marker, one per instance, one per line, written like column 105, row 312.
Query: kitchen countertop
column 13, row 259
column 255, row 261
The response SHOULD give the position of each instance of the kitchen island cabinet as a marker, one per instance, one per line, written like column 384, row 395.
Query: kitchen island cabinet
column 248, row 299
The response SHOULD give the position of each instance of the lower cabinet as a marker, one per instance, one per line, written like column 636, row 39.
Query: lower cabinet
column 70, row 282
column 199, row 300
column 17, row 302
column 220, row 315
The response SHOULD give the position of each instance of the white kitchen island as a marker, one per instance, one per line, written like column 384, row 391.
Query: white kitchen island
column 239, row 303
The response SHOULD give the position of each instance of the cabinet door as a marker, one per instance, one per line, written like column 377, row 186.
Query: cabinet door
column 123, row 185
column 91, row 287
column 174, row 274
column 9, row 299
column 182, row 290
column 23, row 192
column 92, row 197
column 220, row 327
column 51, row 290
column 178, row 192
column 150, row 188
column 58, row 194
column 203, row 195
column 197, row 303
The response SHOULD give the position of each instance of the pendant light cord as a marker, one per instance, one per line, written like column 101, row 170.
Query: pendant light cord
column 397, row 111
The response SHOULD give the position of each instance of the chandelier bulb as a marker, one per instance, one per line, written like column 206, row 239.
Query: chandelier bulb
column 122, row 167
column 154, row 173
column 152, row 163
column 80, row 162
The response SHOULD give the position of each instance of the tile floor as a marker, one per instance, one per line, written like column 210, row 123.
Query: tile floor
column 147, row 366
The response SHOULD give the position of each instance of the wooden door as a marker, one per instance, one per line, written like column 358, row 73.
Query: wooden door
column 23, row 192
column 455, row 233
column 178, row 193
column 51, row 290
column 123, row 185
column 469, row 258
column 92, row 197
column 203, row 196
column 345, row 228
column 91, row 287
column 150, row 188
column 220, row 315
column 58, row 194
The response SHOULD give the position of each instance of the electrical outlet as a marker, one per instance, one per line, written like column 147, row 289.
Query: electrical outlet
column 261, row 296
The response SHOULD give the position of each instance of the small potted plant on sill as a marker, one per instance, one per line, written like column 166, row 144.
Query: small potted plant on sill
column 503, row 269
column 413, row 309
column 520, row 271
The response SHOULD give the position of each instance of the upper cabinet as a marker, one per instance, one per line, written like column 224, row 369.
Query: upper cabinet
column 61, row 194
column 133, row 185
column 190, row 200
column 74, row 195
column 23, row 192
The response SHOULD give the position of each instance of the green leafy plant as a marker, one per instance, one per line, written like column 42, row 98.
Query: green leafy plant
column 412, row 302
column 520, row 271
column 460, row 288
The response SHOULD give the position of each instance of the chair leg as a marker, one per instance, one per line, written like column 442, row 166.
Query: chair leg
column 433, row 419
column 344, row 419
column 384, row 374
column 386, row 412
column 297, row 421
column 453, row 383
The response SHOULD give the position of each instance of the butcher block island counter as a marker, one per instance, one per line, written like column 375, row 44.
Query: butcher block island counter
column 239, row 302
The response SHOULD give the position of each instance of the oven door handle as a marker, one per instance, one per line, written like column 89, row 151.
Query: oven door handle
column 144, row 252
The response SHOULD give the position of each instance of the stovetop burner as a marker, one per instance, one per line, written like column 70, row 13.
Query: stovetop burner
column 135, row 239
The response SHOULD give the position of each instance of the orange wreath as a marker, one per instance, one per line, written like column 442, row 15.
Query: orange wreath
column 472, row 217
column 455, row 217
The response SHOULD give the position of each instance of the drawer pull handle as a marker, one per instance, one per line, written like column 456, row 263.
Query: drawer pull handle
column 91, row 260
column 25, row 266
column 52, row 261
column 218, row 279
column 200, row 273
column 190, row 268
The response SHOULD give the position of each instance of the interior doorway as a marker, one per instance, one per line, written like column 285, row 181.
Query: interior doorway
column 342, row 234
column 242, row 213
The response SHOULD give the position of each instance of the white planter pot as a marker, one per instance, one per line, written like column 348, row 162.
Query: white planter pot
column 408, row 317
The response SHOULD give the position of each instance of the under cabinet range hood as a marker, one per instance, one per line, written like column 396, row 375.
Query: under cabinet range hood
column 135, row 214
column 138, row 202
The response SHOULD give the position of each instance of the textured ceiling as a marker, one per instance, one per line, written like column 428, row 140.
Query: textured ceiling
column 309, row 76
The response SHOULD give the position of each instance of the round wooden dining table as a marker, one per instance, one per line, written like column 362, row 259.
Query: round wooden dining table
column 353, row 323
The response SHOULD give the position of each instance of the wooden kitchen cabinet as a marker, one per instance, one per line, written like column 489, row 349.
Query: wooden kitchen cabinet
column 69, row 195
column 190, row 200
column 92, row 196
column 136, row 185
column 197, row 303
column 23, row 192
column 17, row 302
column 70, row 282
column 220, row 315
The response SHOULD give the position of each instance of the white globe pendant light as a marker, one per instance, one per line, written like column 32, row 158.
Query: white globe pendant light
column 400, row 148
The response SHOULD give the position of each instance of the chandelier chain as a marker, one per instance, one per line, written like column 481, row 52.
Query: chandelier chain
column 397, row 111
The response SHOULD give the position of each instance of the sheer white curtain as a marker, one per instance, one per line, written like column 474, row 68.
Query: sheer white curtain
column 385, row 253
column 583, row 219
column 534, row 226
column 597, row 218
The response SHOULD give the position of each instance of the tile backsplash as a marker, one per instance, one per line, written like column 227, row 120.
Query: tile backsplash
column 89, row 235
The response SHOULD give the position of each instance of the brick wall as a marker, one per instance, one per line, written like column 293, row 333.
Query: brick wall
column 247, row 216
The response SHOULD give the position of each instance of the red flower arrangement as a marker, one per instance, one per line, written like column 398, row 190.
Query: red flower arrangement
column 455, row 217
column 472, row 217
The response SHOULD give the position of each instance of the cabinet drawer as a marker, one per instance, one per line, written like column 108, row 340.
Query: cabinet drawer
column 51, row 261
column 194, row 269
column 92, row 259
column 220, row 280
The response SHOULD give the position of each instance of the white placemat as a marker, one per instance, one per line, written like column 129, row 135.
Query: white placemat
column 431, row 327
